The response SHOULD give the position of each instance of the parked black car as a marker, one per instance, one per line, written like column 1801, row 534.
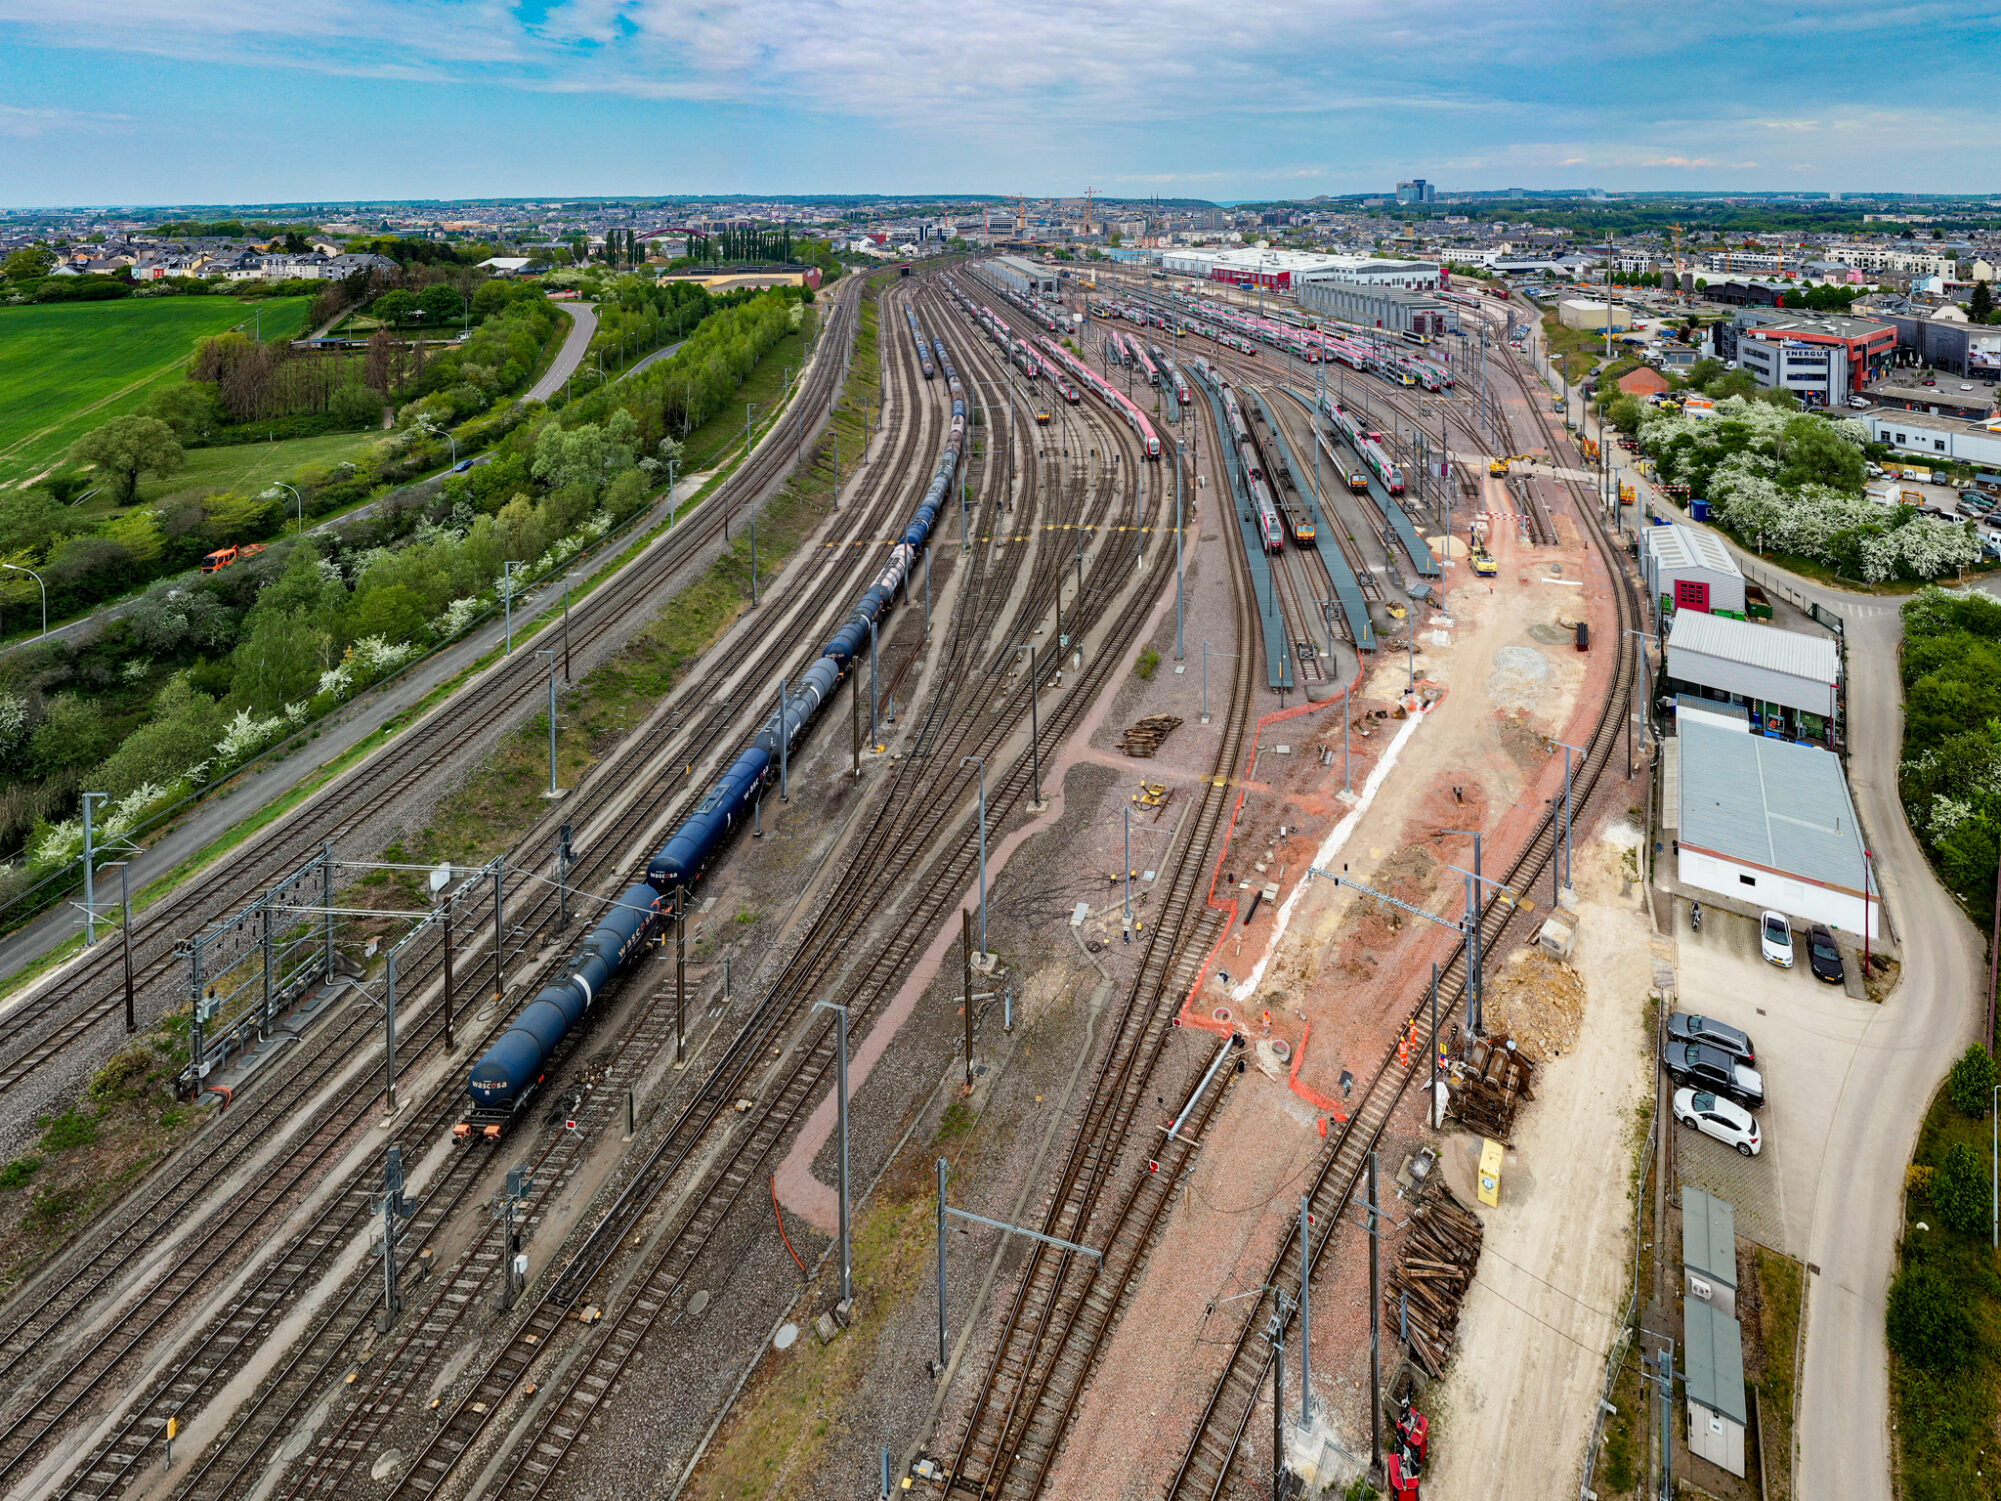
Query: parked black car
column 1685, row 1026
column 1700, row 1066
column 1823, row 955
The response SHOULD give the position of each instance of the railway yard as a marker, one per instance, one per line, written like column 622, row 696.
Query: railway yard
column 1142, row 793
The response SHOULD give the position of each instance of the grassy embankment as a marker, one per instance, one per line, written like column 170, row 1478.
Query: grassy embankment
column 66, row 368
column 125, row 1121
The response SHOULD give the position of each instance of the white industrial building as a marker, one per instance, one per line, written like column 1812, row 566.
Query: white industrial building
column 1787, row 679
column 1768, row 823
column 1937, row 437
column 1578, row 312
column 1265, row 267
column 1689, row 569
column 1713, row 1349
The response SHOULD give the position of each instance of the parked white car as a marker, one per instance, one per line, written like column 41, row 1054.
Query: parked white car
column 1775, row 939
column 1715, row 1116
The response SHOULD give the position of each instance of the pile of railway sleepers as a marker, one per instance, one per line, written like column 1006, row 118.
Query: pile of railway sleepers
column 1144, row 738
column 1434, row 1267
column 1490, row 1084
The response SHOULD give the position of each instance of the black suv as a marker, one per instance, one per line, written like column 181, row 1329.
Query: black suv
column 1699, row 1066
column 1686, row 1026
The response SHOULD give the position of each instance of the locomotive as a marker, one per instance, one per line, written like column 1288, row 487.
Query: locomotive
column 513, row 1069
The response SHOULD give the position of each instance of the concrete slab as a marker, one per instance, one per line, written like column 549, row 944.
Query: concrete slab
column 1806, row 1033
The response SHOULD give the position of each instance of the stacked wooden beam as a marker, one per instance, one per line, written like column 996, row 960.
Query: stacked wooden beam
column 1144, row 738
column 1434, row 1267
column 1490, row 1085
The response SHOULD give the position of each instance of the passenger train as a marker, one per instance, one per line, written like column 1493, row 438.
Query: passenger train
column 1115, row 398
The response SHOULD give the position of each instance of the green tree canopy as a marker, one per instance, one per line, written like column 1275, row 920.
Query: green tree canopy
column 1813, row 453
column 127, row 447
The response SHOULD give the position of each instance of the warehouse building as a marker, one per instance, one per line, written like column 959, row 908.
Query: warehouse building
column 1937, row 438
column 1768, row 823
column 1786, row 679
column 1246, row 266
column 1023, row 278
column 1688, row 569
column 1576, row 312
column 1713, row 1347
column 1379, row 307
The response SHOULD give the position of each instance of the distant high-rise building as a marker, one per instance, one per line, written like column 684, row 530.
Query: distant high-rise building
column 1417, row 190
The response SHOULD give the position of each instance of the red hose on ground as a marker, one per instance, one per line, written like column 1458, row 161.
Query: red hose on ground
column 778, row 1215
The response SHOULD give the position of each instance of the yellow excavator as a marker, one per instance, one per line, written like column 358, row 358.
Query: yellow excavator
column 1498, row 468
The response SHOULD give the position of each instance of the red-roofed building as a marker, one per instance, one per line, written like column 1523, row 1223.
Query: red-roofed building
column 1644, row 382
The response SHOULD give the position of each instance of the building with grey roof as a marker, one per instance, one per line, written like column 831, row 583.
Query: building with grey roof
column 1387, row 307
column 1786, row 678
column 1713, row 1351
column 1769, row 822
column 1709, row 1249
column 1686, row 568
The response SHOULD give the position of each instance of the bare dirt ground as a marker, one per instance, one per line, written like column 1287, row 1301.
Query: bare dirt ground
column 1553, row 1272
column 1509, row 678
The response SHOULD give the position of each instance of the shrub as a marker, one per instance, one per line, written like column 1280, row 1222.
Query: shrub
column 1972, row 1080
column 124, row 1076
column 1148, row 664
column 1960, row 1190
column 73, row 1128
column 1928, row 1322
column 17, row 1173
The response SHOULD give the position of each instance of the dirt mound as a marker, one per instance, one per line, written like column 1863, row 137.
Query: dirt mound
column 1537, row 1000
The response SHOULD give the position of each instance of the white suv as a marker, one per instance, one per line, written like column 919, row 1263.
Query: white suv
column 1715, row 1116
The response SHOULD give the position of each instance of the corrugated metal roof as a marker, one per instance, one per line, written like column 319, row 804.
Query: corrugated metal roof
column 1686, row 547
column 1792, row 652
column 1714, row 1352
column 1709, row 1236
column 1769, row 802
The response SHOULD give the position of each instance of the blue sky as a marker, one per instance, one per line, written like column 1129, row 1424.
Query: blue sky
column 151, row 101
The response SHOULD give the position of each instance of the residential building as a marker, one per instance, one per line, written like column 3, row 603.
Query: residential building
column 1898, row 257
column 1743, row 262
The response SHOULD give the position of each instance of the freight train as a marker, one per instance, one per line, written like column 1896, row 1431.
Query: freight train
column 510, row 1073
column 923, row 349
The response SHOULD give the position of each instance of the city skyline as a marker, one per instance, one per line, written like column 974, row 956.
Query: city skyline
column 168, row 101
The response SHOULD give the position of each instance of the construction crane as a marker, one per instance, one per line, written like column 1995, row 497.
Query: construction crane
column 1090, row 195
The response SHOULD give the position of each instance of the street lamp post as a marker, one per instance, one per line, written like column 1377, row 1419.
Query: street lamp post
column 17, row 568
column 507, row 594
column 278, row 484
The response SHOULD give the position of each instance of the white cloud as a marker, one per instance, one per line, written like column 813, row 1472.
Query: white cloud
column 19, row 122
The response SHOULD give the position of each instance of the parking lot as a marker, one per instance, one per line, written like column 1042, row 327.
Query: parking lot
column 1805, row 1033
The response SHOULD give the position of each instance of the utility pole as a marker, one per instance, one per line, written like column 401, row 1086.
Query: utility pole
column 1375, row 1328
column 1034, row 729
column 90, row 869
column 784, row 736
column 550, row 652
column 396, row 1208
column 507, row 592
column 680, row 975
column 966, row 979
column 981, row 762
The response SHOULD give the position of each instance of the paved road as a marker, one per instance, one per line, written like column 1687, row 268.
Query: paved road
column 583, row 324
column 1882, row 1082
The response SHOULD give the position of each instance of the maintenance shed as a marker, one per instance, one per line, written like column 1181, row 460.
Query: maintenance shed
column 1786, row 678
column 1024, row 278
column 1687, row 569
column 1709, row 1250
column 1713, row 1347
column 1769, row 823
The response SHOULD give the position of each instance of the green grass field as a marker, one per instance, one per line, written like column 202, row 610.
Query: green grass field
column 68, row 367
column 250, row 467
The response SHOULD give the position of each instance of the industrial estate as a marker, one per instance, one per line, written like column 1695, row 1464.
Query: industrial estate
column 1001, row 847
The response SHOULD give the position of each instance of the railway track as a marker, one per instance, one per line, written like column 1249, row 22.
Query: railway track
column 1212, row 1457
column 227, row 1225
column 903, row 827
column 89, row 992
column 1112, row 1191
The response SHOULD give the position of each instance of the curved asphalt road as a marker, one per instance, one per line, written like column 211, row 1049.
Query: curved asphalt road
column 1937, row 1009
column 583, row 324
